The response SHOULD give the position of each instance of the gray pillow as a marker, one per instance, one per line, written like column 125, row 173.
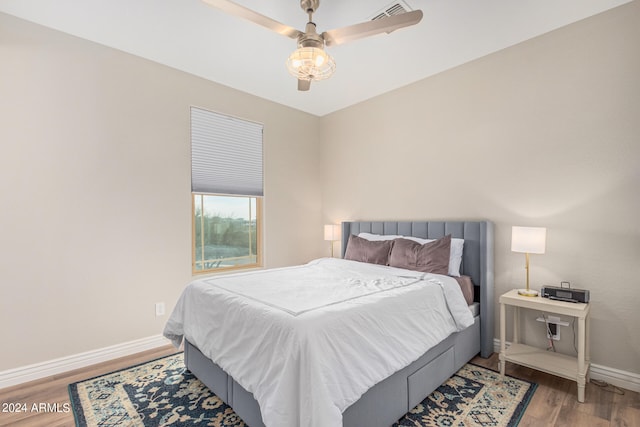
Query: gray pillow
column 432, row 257
column 363, row 250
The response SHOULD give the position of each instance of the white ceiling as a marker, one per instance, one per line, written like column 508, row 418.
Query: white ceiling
column 194, row 37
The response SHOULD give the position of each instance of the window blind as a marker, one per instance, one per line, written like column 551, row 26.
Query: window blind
column 226, row 154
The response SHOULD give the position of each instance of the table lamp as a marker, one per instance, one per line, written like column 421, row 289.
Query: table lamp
column 528, row 240
column 331, row 234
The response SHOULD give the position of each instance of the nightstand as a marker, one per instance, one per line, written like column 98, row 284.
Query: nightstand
column 573, row 368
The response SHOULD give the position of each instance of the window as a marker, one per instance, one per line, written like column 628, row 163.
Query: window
column 225, row 232
column 227, row 190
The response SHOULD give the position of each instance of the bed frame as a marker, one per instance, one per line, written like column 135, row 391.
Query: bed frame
column 390, row 399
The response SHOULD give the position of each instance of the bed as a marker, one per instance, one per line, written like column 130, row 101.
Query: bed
column 367, row 376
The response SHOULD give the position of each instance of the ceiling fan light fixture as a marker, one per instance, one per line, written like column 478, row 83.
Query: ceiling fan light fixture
column 311, row 63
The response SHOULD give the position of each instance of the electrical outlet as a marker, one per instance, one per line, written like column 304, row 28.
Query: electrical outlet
column 553, row 323
column 553, row 332
column 159, row 309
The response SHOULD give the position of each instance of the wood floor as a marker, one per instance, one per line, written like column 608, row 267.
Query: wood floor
column 555, row 401
column 553, row 404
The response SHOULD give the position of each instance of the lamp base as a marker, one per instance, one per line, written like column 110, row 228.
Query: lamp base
column 528, row 292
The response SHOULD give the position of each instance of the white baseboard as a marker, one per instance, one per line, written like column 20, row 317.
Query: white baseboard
column 623, row 379
column 37, row 371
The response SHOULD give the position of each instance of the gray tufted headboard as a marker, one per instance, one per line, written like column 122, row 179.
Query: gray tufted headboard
column 477, row 258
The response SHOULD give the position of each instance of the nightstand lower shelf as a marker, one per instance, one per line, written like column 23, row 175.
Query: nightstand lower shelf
column 575, row 368
column 545, row 361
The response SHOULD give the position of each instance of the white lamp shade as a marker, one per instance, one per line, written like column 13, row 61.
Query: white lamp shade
column 331, row 232
column 531, row 240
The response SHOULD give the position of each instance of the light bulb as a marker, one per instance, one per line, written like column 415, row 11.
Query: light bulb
column 310, row 63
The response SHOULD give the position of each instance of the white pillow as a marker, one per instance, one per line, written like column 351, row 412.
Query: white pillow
column 455, row 255
column 378, row 237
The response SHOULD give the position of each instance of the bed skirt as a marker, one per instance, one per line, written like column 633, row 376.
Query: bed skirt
column 381, row 406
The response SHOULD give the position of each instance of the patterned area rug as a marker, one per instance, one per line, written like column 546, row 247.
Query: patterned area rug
column 163, row 393
column 473, row 396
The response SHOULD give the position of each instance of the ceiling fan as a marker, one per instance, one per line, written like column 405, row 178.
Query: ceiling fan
column 310, row 61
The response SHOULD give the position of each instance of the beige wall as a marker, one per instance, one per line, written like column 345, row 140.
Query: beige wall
column 95, row 190
column 545, row 133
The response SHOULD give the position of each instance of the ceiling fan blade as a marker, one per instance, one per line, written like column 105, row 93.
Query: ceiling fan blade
column 255, row 17
column 370, row 28
column 304, row 85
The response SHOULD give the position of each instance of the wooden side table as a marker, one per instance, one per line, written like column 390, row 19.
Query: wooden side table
column 572, row 368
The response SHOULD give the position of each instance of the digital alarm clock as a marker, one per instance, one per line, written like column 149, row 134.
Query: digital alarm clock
column 565, row 294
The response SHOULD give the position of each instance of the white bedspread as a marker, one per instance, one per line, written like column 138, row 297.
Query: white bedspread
column 309, row 340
